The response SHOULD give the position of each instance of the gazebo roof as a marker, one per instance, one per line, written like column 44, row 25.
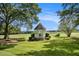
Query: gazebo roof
column 39, row 27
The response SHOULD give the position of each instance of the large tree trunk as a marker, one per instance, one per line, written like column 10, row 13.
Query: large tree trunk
column 6, row 36
column 69, row 34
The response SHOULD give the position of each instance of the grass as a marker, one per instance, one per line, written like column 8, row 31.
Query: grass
column 17, row 36
column 56, row 46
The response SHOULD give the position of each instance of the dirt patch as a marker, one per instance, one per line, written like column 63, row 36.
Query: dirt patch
column 11, row 41
column 7, row 42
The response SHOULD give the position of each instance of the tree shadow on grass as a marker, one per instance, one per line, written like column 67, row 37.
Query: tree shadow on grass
column 70, row 47
column 75, row 39
column 64, row 38
column 2, row 47
column 9, row 43
column 46, row 53
column 56, row 48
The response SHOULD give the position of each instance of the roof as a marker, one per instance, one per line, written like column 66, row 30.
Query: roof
column 39, row 27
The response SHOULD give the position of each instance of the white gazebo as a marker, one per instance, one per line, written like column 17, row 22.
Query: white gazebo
column 39, row 31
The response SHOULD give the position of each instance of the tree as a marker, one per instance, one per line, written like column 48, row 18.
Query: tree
column 67, row 26
column 68, row 18
column 22, row 14
column 12, row 29
column 74, row 9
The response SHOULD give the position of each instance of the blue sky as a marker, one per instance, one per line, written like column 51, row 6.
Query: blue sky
column 48, row 17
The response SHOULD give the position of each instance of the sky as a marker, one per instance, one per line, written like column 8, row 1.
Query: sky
column 48, row 16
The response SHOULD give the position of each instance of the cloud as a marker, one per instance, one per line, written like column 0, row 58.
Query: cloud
column 48, row 16
column 49, row 19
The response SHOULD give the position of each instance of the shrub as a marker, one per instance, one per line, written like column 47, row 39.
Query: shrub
column 31, row 39
column 32, row 35
column 57, row 35
column 47, row 36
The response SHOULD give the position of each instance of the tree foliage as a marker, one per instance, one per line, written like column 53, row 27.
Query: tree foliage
column 69, row 17
column 18, row 14
column 12, row 29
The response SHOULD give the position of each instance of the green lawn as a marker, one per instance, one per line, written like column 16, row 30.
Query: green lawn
column 56, row 46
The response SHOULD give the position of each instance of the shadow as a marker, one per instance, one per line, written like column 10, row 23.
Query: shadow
column 61, row 37
column 68, row 46
column 46, row 53
column 2, row 47
column 4, row 44
column 56, row 48
column 9, row 43
column 75, row 39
